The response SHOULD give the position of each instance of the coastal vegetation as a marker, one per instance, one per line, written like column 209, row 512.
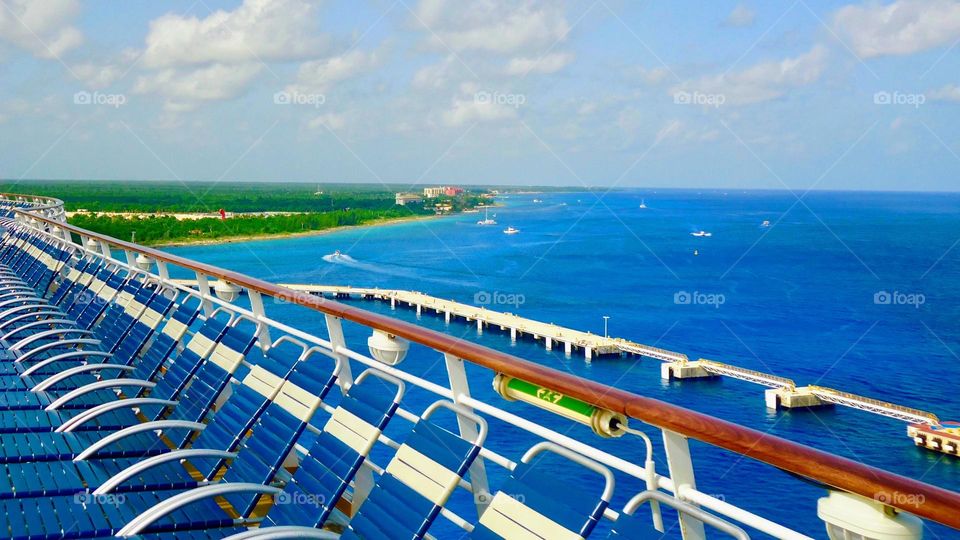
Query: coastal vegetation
column 141, row 210
column 168, row 229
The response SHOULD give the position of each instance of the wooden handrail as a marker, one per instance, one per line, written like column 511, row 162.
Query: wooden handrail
column 934, row 503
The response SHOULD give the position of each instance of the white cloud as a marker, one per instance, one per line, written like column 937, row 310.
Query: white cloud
column 587, row 108
column 330, row 120
column 741, row 16
column 762, row 82
column 681, row 132
column 44, row 29
column 650, row 76
column 475, row 105
column 185, row 91
column 498, row 26
column 321, row 75
column 950, row 92
column 256, row 31
column 97, row 76
column 550, row 63
column 900, row 28
column 435, row 76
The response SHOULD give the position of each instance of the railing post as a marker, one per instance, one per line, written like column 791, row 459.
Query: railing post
column 681, row 472
column 335, row 335
column 256, row 305
column 162, row 270
column 460, row 386
column 363, row 482
column 131, row 259
column 203, row 285
column 105, row 250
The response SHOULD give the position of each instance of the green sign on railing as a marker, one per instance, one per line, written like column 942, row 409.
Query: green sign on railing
column 603, row 422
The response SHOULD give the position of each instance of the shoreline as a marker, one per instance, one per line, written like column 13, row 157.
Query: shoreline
column 276, row 236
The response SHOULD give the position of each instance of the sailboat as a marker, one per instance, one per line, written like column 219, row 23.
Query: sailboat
column 486, row 218
column 643, row 203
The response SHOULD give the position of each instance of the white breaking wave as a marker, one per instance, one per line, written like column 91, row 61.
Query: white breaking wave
column 391, row 270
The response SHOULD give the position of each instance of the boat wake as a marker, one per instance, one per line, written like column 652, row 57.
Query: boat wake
column 419, row 274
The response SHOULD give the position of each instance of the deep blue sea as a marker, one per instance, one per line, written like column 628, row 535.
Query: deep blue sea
column 796, row 299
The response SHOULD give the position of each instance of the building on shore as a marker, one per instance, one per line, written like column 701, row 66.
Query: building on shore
column 452, row 191
column 433, row 192
column 404, row 199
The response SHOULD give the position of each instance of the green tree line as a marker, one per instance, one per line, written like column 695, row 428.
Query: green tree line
column 166, row 229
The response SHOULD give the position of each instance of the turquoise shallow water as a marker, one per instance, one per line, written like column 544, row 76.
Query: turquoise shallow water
column 804, row 298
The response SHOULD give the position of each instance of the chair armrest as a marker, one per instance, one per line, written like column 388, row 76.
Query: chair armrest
column 114, row 481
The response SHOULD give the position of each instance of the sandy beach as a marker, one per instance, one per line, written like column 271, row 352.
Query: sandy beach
column 256, row 237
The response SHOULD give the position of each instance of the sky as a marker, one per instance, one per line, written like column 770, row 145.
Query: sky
column 748, row 95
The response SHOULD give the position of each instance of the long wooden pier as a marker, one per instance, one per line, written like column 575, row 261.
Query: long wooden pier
column 550, row 334
column 781, row 392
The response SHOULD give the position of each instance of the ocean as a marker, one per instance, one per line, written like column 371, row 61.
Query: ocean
column 854, row 291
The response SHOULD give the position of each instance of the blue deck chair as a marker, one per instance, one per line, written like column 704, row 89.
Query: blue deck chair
column 37, row 267
column 149, row 375
column 405, row 501
column 215, row 443
column 118, row 314
column 73, row 278
column 83, row 290
column 63, row 434
column 74, row 388
column 119, row 319
column 78, row 275
column 359, row 419
column 530, row 506
column 72, row 381
column 16, row 325
column 51, row 374
column 187, row 391
column 104, row 515
column 630, row 525
column 41, row 385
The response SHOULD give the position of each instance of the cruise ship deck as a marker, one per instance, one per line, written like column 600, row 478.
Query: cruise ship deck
column 137, row 405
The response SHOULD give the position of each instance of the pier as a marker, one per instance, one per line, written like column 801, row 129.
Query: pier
column 781, row 392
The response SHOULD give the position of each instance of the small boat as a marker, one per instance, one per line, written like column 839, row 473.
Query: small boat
column 766, row 223
column 696, row 252
column 643, row 203
column 701, row 234
column 537, row 200
column 510, row 230
column 486, row 219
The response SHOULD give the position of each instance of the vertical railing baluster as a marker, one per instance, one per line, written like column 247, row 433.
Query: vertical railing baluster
column 457, row 374
column 681, row 472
